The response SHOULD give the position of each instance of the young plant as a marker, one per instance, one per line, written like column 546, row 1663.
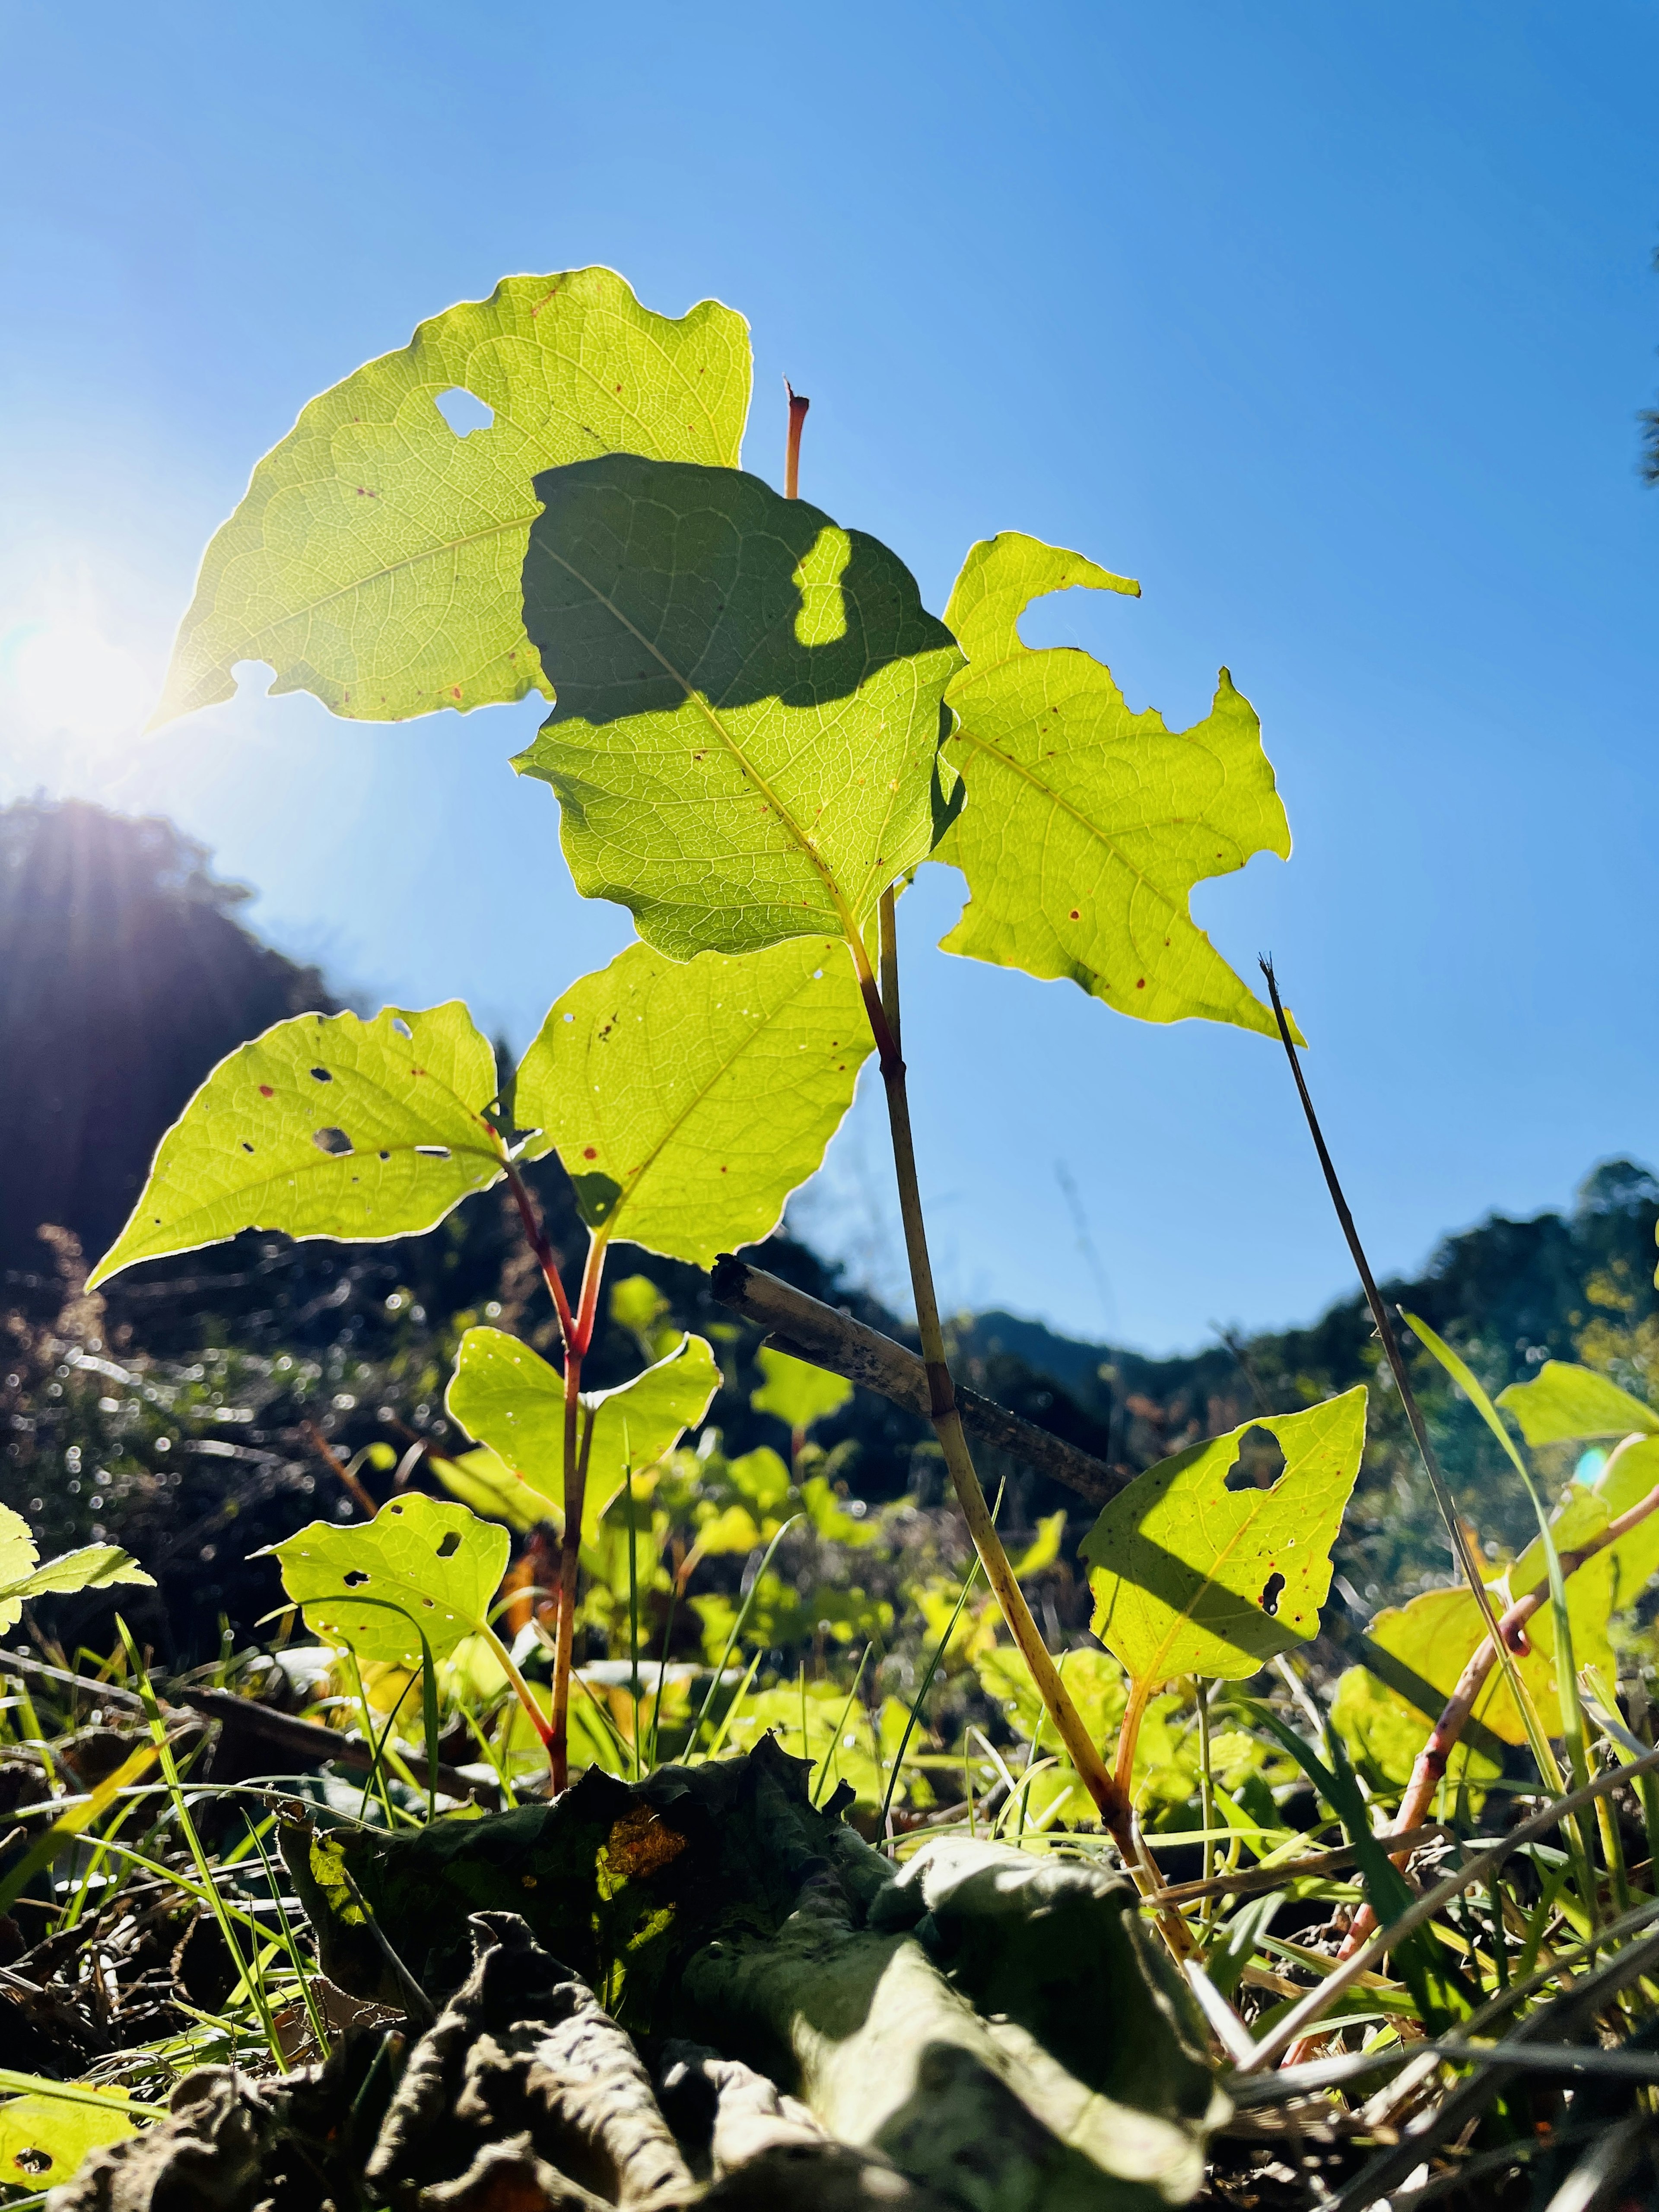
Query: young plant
column 758, row 734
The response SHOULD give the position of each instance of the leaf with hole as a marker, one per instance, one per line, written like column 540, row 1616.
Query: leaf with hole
column 1563, row 1402
column 507, row 1397
column 1193, row 1578
column 746, row 743
column 47, row 2135
column 1086, row 825
column 420, row 1560
column 688, row 1099
column 375, row 559
column 795, row 1392
column 326, row 1125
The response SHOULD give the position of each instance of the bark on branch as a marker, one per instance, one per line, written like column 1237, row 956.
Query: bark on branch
column 808, row 1329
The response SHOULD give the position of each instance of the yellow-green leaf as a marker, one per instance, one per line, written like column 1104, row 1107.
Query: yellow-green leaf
column 508, row 1397
column 326, row 1125
column 46, row 2134
column 745, row 743
column 1435, row 1636
column 1192, row 1577
column 687, row 1099
column 375, row 559
column 93, row 1566
column 795, row 1392
column 419, row 1560
column 481, row 1478
column 1086, row 825
column 1563, row 1402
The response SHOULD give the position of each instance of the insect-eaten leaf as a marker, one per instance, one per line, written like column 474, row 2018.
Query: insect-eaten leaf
column 46, row 2137
column 507, row 1397
column 419, row 1562
column 93, row 1566
column 1192, row 1577
column 326, row 1125
column 375, row 558
column 688, row 1099
column 1087, row 825
column 795, row 1392
column 1565, row 1402
column 749, row 703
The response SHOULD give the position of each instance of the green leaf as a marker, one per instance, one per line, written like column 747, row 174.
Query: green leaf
column 1435, row 1636
column 702, row 1093
column 326, row 1125
column 795, row 1392
column 45, row 2137
column 749, row 703
column 375, row 559
column 419, row 1560
column 1565, row 1402
column 510, row 1397
column 1184, row 1568
column 481, row 1478
column 1086, row 825
column 94, row 1566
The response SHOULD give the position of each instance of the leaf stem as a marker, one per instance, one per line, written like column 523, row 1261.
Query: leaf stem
column 798, row 406
column 537, row 1237
column 510, row 1667
column 1113, row 1805
column 577, row 1442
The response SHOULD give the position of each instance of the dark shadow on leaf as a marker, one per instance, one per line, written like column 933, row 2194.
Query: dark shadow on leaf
column 645, row 581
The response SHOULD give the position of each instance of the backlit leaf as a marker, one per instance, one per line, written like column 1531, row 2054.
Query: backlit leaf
column 795, row 1392
column 1086, row 825
column 688, row 1099
column 326, row 1125
column 1437, row 1634
column 482, row 1480
column 510, row 1397
column 745, row 741
column 1191, row 1577
column 1563, row 1401
column 93, row 1566
column 375, row 559
column 420, row 1560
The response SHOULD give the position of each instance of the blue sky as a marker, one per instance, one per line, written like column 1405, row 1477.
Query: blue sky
column 1329, row 323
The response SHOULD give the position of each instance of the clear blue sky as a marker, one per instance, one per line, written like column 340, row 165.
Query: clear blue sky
column 1329, row 323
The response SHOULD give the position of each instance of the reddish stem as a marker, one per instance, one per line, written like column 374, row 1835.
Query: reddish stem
column 576, row 1449
column 797, row 407
column 540, row 1244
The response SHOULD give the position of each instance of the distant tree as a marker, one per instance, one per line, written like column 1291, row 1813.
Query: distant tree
column 124, row 977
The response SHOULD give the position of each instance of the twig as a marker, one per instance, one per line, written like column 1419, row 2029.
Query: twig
column 808, row 1329
column 320, row 1444
column 1251, row 1881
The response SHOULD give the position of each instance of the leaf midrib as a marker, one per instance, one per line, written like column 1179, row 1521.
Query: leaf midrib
column 693, row 1103
column 744, row 766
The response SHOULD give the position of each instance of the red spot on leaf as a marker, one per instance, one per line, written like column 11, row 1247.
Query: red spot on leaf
column 589, row 1151
column 266, row 1092
column 1074, row 914
column 1141, row 985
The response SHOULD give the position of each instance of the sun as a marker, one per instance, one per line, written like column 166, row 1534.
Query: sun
column 61, row 677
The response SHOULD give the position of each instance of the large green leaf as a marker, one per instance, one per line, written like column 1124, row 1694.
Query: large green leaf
column 1563, row 1402
column 507, row 1397
column 687, row 1099
column 1435, row 1636
column 419, row 1560
column 93, row 1566
column 1191, row 1577
column 745, row 743
column 1087, row 826
column 375, row 559
column 326, row 1125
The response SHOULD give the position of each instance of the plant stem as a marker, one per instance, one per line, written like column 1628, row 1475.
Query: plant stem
column 522, row 1690
column 1129, row 1735
column 537, row 1237
column 1437, row 1483
column 578, row 1441
column 1113, row 1805
column 797, row 407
